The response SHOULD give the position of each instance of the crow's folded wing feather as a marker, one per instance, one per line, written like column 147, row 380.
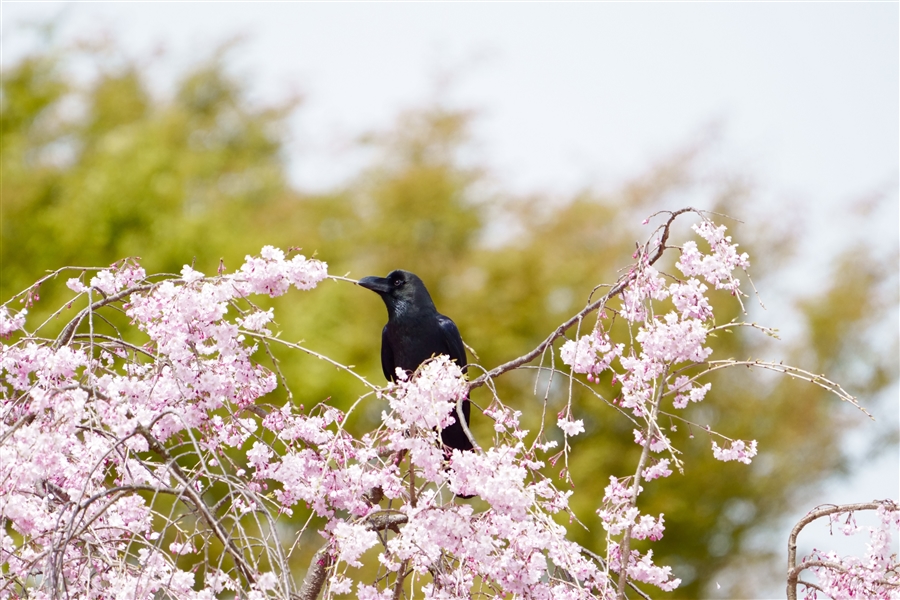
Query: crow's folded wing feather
column 387, row 356
column 455, row 347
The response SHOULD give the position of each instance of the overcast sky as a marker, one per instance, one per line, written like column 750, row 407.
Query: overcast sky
column 571, row 94
column 806, row 95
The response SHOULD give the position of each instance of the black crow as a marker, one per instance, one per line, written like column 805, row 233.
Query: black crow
column 415, row 332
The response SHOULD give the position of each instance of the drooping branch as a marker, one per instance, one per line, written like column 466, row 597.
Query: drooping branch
column 625, row 544
column 647, row 257
column 69, row 331
column 794, row 570
column 198, row 504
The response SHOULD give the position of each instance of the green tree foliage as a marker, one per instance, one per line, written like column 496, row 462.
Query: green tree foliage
column 94, row 173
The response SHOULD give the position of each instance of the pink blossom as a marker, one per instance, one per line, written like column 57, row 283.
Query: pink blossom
column 352, row 540
column 591, row 354
column 75, row 285
column 570, row 427
column 189, row 275
column 738, row 451
column 687, row 393
column 717, row 267
column 370, row 592
column 429, row 399
column 271, row 274
column 647, row 285
column 660, row 469
column 267, row 581
column 672, row 340
column 110, row 281
column 690, row 300
column 257, row 321
column 259, row 456
column 181, row 548
column 10, row 323
column 658, row 441
column 340, row 584
column 105, row 282
column 617, row 493
column 644, row 570
column 646, row 527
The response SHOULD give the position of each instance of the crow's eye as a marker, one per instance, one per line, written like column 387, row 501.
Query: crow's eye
column 398, row 282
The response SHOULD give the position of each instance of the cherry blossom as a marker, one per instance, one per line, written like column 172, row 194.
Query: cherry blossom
column 10, row 323
column 875, row 575
column 739, row 451
column 102, row 435
column 570, row 427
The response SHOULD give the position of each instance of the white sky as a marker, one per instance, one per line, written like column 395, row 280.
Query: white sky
column 807, row 94
column 572, row 94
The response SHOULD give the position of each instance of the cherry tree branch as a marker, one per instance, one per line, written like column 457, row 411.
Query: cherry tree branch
column 625, row 545
column 315, row 575
column 199, row 505
column 794, row 569
column 617, row 289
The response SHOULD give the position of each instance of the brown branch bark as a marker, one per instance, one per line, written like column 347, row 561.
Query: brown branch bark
column 66, row 335
column 617, row 289
column 315, row 575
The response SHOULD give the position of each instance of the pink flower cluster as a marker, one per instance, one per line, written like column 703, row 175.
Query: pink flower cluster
column 10, row 323
column 426, row 401
column 591, row 354
column 87, row 423
column 670, row 320
column 875, row 575
column 112, row 280
column 738, row 451
column 620, row 514
column 514, row 546
column 104, row 430
column 663, row 342
column 718, row 266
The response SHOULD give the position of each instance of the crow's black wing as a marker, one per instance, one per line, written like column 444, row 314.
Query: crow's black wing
column 453, row 340
column 453, row 435
column 387, row 356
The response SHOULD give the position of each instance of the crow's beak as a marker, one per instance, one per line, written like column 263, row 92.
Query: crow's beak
column 379, row 285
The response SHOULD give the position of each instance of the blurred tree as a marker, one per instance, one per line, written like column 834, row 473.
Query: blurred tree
column 91, row 174
column 98, row 172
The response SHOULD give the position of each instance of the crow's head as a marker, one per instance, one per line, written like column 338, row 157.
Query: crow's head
column 403, row 292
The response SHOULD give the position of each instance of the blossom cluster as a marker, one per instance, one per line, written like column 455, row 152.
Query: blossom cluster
column 428, row 400
column 514, row 546
column 110, row 281
column 670, row 320
column 875, row 575
column 90, row 419
column 91, row 422
column 10, row 323
column 667, row 341
column 717, row 267
column 102, row 433
column 618, row 514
